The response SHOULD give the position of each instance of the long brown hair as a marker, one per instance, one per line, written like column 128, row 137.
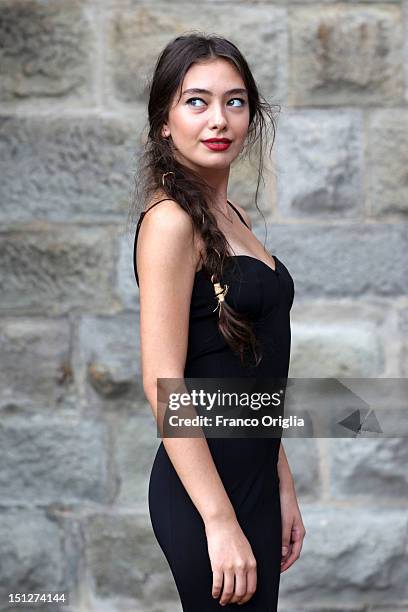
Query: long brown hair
column 185, row 185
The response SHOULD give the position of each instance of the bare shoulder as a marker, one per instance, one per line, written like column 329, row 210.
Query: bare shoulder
column 168, row 220
column 244, row 214
column 166, row 234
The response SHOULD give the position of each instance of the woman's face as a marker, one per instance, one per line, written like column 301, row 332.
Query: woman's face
column 199, row 116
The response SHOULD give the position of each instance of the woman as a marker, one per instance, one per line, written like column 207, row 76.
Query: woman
column 224, row 510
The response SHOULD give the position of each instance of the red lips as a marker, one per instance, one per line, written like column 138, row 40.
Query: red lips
column 217, row 144
column 223, row 140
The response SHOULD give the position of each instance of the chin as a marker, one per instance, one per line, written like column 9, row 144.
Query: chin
column 223, row 161
column 219, row 166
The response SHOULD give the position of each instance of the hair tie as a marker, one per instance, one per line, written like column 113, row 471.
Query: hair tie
column 165, row 174
column 220, row 293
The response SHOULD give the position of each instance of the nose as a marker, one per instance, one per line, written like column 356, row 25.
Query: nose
column 218, row 118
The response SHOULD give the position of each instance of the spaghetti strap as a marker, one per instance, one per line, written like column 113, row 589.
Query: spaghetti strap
column 239, row 214
column 153, row 205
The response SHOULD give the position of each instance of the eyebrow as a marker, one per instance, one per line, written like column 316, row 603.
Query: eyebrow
column 236, row 90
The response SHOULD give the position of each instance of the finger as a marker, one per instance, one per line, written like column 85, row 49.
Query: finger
column 288, row 551
column 217, row 583
column 286, row 557
column 285, row 548
column 301, row 538
column 228, row 588
column 297, row 537
column 240, row 586
column 294, row 555
column 251, row 581
column 286, row 532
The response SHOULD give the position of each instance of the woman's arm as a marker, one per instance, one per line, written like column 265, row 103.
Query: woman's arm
column 293, row 529
column 166, row 263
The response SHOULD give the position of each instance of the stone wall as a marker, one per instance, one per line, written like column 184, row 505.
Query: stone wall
column 77, row 435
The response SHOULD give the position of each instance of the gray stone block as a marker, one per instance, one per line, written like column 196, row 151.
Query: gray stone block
column 48, row 460
column 374, row 469
column 335, row 340
column 47, row 51
column 387, row 161
column 108, row 360
column 303, row 459
column 125, row 560
column 404, row 339
column 319, row 164
column 136, row 445
column 32, row 555
column 66, row 168
column 355, row 260
column 54, row 270
column 347, row 55
column 35, row 370
column 350, row 556
column 127, row 289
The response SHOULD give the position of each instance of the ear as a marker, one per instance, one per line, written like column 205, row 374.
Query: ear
column 165, row 131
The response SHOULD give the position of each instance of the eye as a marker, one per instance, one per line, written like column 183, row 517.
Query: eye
column 241, row 100
column 191, row 99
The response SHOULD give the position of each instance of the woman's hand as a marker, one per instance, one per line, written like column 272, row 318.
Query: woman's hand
column 232, row 560
column 293, row 530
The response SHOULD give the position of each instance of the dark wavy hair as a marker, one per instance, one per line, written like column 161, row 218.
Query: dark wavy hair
column 187, row 187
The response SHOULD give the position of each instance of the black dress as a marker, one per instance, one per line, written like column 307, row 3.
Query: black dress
column 247, row 466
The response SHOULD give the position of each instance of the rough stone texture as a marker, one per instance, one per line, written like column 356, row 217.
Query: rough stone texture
column 346, row 55
column 404, row 347
column 337, row 340
column 32, row 554
column 319, row 164
column 77, row 435
column 128, row 605
column 48, row 460
column 109, row 360
column 126, row 288
column 359, row 260
column 136, row 446
column 125, row 560
column 68, row 170
column 387, row 156
column 289, row 3
column 350, row 555
column 36, row 371
column 47, row 51
column 304, row 460
column 365, row 468
column 54, row 269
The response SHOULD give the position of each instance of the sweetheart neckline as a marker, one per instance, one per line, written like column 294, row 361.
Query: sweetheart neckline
column 254, row 259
